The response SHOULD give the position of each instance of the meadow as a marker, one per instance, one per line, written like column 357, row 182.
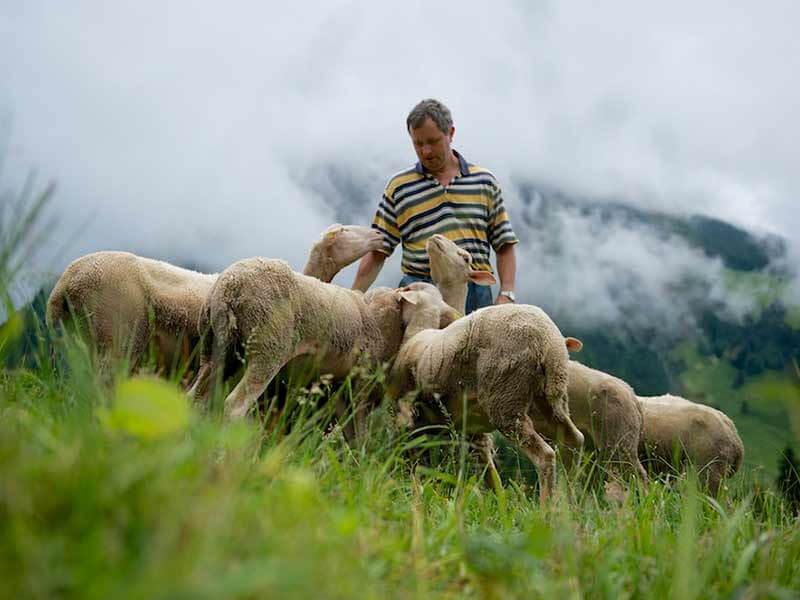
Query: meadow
column 114, row 486
column 118, row 488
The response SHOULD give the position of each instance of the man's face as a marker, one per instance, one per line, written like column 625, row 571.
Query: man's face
column 432, row 145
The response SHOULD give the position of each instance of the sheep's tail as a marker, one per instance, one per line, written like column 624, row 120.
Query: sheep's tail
column 218, row 330
column 206, row 333
column 57, row 305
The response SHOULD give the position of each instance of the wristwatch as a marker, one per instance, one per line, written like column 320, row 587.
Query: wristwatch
column 508, row 294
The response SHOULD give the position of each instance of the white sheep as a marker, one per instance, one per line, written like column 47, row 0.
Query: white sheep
column 678, row 431
column 118, row 292
column 497, row 362
column 278, row 314
column 603, row 407
column 607, row 412
column 451, row 270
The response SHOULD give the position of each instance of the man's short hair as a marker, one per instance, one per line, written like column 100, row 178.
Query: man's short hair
column 433, row 109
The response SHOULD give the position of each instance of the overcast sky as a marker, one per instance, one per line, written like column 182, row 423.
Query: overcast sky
column 178, row 129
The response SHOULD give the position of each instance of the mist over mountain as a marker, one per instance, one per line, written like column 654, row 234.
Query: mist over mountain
column 672, row 304
column 601, row 262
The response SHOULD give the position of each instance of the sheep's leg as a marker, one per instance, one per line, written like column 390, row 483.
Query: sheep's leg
column 256, row 377
column 360, row 413
column 353, row 418
column 213, row 353
column 620, row 473
column 264, row 360
column 624, row 465
column 353, row 423
column 485, row 446
column 367, row 399
column 200, row 388
column 521, row 432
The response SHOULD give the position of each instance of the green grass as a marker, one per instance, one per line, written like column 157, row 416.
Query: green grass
column 116, row 487
column 125, row 491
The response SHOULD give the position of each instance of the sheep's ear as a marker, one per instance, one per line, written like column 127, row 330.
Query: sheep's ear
column 573, row 344
column 481, row 277
column 408, row 296
column 332, row 231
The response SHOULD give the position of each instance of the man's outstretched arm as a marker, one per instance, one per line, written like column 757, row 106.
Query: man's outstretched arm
column 368, row 270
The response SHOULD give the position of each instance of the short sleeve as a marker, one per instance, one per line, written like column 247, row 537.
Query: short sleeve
column 385, row 221
column 500, row 231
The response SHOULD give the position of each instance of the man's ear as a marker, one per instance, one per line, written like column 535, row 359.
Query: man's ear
column 481, row 277
column 573, row 344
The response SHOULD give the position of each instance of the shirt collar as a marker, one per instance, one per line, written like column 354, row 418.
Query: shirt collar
column 462, row 163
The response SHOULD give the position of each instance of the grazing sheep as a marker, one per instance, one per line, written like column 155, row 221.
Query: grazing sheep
column 503, row 358
column 607, row 412
column 117, row 291
column 279, row 314
column 676, row 428
column 603, row 407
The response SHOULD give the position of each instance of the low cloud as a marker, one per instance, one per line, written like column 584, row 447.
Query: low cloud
column 202, row 135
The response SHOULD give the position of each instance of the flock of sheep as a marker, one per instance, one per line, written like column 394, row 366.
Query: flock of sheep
column 502, row 368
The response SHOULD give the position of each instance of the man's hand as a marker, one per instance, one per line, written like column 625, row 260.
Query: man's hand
column 506, row 270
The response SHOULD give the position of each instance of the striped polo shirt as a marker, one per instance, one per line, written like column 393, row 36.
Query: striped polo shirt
column 469, row 211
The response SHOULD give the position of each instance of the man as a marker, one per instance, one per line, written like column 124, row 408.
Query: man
column 445, row 194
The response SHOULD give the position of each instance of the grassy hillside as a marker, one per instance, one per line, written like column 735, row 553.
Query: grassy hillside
column 125, row 491
column 116, row 487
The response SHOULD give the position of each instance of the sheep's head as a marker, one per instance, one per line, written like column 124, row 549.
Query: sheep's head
column 423, row 307
column 451, row 264
column 384, row 306
column 345, row 244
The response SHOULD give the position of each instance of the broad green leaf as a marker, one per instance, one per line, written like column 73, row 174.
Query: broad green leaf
column 147, row 408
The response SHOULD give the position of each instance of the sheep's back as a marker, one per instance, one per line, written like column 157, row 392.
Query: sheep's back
column 598, row 399
column 176, row 294
column 444, row 359
column 703, row 431
column 334, row 315
column 252, row 291
column 522, row 340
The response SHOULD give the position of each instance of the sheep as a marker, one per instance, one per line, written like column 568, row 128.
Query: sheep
column 119, row 290
column 606, row 411
column 451, row 270
column 675, row 427
column 603, row 407
column 502, row 359
column 279, row 314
